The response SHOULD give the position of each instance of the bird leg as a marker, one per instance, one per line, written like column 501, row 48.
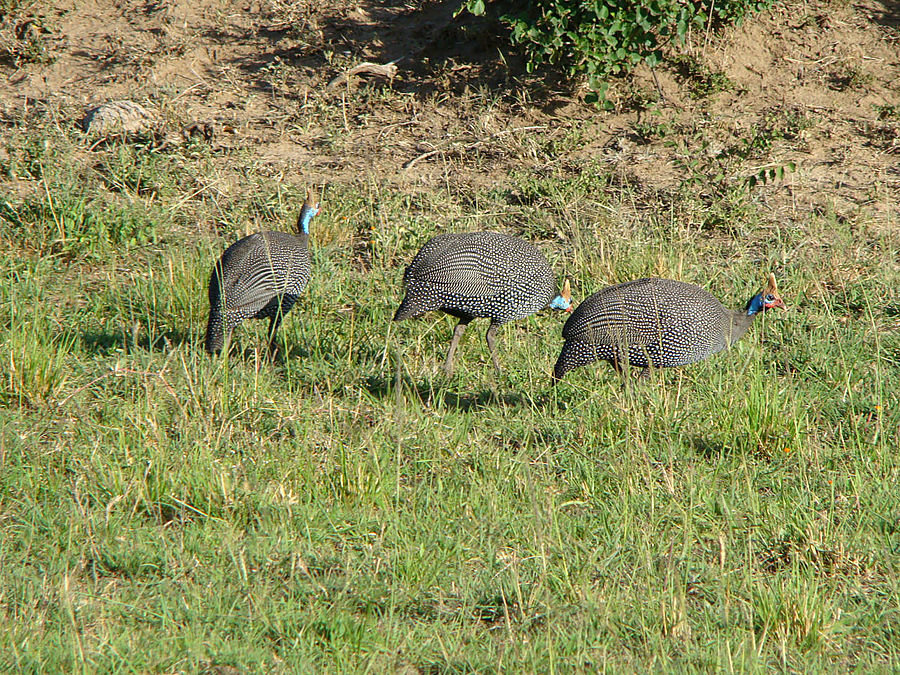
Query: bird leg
column 457, row 334
column 227, row 339
column 490, row 337
column 274, row 323
column 624, row 370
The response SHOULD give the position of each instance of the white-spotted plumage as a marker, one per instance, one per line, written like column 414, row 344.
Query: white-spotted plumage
column 477, row 274
column 260, row 276
column 652, row 322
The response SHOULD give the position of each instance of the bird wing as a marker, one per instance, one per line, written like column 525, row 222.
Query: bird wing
column 254, row 277
column 471, row 264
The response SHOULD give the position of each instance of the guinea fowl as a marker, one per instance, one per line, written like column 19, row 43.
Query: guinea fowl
column 655, row 322
column 480, row 274
column 259, row 276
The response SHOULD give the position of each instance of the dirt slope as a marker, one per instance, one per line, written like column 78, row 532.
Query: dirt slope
column 814, row 85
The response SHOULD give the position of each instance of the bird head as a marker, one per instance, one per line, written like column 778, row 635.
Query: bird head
column 310, row 208
column 767, row 299
column 563, row 301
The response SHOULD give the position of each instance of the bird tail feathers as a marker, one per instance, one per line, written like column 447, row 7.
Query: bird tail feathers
column 215, row 333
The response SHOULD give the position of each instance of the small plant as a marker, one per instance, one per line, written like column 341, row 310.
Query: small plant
column 770, row 174
column 701, row 82
column 791, row 123
column 604, row 39
column 129, row 170
column 649, row 131
column 888, row 112
column 850, row 77
column 777, row 125
column 276, row 75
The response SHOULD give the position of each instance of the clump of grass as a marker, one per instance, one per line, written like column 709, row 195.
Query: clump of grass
column 796, row 614
column 73, row 223
column 35, row 369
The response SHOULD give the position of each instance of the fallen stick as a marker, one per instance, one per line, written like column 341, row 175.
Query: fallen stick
column 386, row 70
column 470, row 147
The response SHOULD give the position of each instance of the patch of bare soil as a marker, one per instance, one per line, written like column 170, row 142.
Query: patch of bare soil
column 814, row 86
column 817, row 85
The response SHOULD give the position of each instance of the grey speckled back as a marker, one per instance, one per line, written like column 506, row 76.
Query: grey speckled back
column 478, row 274
column 259, row 267
column 651, row 321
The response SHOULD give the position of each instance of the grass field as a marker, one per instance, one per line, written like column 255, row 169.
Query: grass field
column 350, row 508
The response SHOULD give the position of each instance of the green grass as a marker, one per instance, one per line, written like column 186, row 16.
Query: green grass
column 351, row 509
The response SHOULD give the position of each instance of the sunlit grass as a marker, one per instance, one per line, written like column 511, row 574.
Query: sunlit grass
column 350, row 508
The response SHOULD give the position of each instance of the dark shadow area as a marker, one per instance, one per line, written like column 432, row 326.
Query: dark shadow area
column 250, row 351
column 104, row 342
column 840, row 82
column 764, row 449
column 889, row 16
column 786, row 366
column 434, row 51
column 444, row 668
column 286, row 352
column 708, row 448
column 261, row 68
column 493, row 609
column 437, row 395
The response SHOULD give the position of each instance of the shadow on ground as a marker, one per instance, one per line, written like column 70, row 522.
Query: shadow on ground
column 104, row 342
column 887, row 14
column 434, row 49
column 436, row 394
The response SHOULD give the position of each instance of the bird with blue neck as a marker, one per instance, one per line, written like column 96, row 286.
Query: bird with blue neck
column 259, row 276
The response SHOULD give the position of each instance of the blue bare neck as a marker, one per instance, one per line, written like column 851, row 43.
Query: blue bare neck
column 306, row 215
column 756, row 305
column 559, row 302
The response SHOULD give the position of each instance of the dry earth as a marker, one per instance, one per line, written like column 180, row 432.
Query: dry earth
column 814, row 84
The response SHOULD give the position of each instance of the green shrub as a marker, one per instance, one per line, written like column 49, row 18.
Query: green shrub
column 604, row 38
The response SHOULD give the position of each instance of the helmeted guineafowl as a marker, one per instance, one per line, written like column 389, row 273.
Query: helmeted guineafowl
column 259, row 276
column 655, row 322
column 479, row 274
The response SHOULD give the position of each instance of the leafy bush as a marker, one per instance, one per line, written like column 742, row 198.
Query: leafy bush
column 604, row 38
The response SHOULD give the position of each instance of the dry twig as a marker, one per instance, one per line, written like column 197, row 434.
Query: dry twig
column 386, row 70
column 470, row 146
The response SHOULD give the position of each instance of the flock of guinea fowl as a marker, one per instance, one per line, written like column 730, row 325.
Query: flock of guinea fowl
column 645, row 323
